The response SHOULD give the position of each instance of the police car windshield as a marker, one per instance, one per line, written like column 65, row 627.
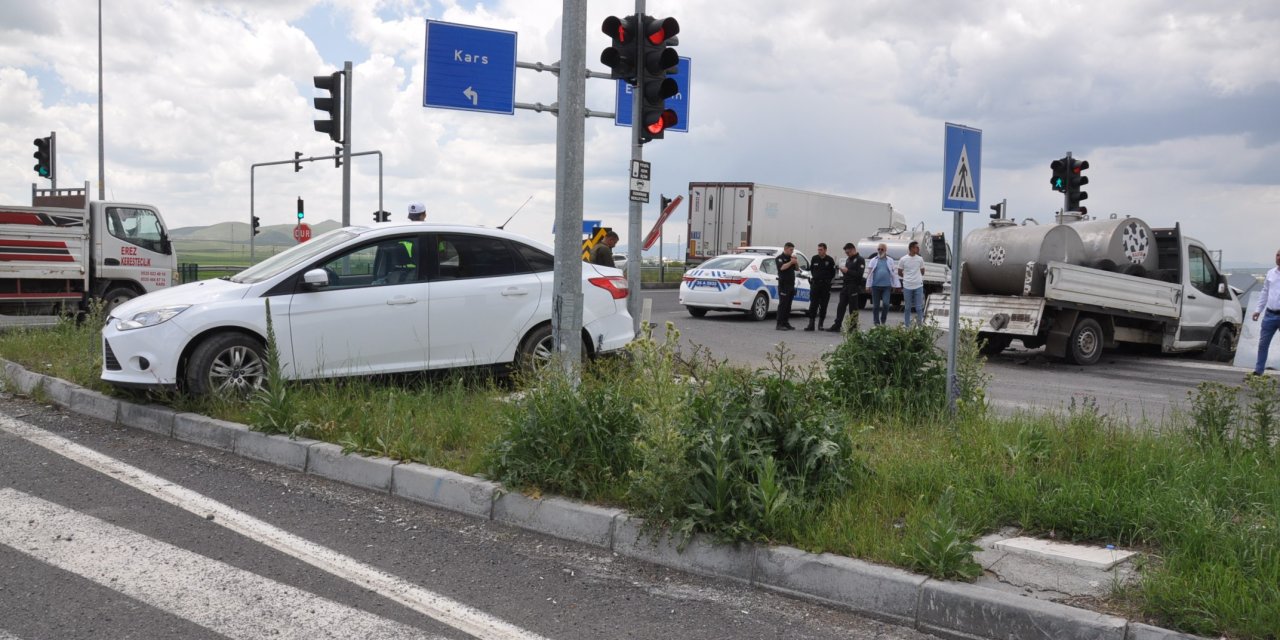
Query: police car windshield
column 728, row 263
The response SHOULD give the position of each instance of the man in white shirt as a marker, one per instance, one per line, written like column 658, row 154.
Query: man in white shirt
column 1269, row 309
column 911, row 268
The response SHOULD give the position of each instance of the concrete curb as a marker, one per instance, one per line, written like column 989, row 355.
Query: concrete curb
column 951, row 610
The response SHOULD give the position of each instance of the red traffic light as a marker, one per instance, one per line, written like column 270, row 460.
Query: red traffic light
column 666, row 120
column 661, row 30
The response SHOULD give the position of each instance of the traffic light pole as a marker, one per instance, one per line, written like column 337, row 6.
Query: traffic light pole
column 53, row 160
column 346, row 156
column 635, row 212
column 346, row 146
column 566, row 311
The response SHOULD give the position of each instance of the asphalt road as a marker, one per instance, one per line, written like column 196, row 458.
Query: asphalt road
column 110, row 532
column 1134, row 389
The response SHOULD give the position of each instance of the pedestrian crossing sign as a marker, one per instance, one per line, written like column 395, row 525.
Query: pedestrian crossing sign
column 962, row 161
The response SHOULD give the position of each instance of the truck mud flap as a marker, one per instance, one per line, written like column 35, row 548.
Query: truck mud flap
column 1060, row 333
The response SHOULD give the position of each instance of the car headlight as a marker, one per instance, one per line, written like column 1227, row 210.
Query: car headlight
column 150, row 317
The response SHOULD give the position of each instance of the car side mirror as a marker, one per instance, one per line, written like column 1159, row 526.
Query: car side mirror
column 316, row 278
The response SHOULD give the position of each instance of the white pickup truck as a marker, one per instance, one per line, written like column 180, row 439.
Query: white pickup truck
column 1183, row 306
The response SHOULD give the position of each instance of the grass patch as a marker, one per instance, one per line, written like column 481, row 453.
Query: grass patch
column 825, row 459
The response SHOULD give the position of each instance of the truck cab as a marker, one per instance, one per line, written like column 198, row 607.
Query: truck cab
column 131, row 249
column 1211, row 314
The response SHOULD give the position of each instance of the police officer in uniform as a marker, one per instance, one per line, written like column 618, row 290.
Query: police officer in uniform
column 823, row 270
column 787, row 264
column 851, row 292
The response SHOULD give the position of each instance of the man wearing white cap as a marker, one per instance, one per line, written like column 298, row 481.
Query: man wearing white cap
column 417, row 211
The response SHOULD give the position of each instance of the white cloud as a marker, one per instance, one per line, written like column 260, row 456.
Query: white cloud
column 1172, row 103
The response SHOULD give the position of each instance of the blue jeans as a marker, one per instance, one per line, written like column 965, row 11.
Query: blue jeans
column 1270, row 324
column 880, row 304
column 912, row 299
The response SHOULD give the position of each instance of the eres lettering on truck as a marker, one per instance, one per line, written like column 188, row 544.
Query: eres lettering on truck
column 65, row 250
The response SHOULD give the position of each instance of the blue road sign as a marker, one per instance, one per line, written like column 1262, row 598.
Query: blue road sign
column 961, row 168
column 678, row 103
column 469, row 68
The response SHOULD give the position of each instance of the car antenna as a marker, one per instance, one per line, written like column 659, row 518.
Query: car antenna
column 516, row 211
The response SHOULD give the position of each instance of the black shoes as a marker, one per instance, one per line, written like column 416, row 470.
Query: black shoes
column 834, row 328
column 809, row 328
column 785, row 327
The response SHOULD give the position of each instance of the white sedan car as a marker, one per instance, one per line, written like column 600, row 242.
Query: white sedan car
column 358, row 301
column 746, row 281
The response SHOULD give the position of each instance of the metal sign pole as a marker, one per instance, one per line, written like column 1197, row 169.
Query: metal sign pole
column 346, row 144
column 953, row 389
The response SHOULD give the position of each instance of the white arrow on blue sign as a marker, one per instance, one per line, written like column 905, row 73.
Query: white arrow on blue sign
column 469, row 68
column 678, row 103
column 961, row 168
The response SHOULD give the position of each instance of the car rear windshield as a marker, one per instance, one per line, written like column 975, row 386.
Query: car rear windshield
column 728, row 263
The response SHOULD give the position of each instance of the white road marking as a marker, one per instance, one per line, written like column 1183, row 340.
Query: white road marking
column 6, row 636
column 469, row 620
column 229, row 601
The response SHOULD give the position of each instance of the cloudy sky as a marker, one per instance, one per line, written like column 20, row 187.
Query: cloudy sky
column 1173, row 102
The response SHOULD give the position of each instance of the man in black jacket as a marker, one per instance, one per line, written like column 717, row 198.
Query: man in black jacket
column 851, row 292
column 822, row 268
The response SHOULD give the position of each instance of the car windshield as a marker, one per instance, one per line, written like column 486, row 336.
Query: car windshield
column 301, row 254
column 728, row 263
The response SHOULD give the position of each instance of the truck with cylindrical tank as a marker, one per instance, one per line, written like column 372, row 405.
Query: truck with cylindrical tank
column 1079, row 286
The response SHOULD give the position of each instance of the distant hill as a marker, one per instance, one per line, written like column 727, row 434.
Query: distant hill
column 233, row 237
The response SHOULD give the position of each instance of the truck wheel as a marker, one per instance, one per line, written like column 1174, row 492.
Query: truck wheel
column 116, row 297
column 1219, row 348
column 991, row 344
column 1086, row 342
column 759, row 307
column 227, row 362
column 696, row 312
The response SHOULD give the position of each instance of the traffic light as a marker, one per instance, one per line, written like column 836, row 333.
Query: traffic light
column 256, row 223
column 381, row 216
column 297, row 165
column 332, row 105
column 664, row 202
column 43, row 156
column 657, row 59
column 1075, row 180
column 1060, row 173
column 300, row 209
column 621, row 57
column 998, row 208
column 337, row 157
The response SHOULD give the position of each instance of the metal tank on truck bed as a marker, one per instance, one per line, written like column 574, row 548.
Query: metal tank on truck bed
column 1125, row 245
column 1008, row 259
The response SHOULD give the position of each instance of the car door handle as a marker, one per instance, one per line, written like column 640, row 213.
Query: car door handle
column 1191, row 297
column 402, row 300
column 515, row 292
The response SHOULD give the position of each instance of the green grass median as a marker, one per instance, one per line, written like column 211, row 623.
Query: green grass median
column 855, row 455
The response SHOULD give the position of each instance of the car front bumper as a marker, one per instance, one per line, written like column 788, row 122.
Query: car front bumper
column 146, row 357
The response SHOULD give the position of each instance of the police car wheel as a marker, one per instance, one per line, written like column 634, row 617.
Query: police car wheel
column 759, row 307
column 696, row 312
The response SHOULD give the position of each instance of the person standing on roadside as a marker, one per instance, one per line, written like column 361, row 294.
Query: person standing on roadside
column 823, row 270
column 881, row 275
column 602, row 254
column 1269, row 309
column 851, row 291
column 787, row 265
column 911, row 269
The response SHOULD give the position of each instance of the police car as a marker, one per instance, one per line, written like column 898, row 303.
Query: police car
column 744, row 281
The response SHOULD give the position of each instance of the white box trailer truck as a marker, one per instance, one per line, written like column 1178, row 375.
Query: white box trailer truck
column 66, row 250
column 727, row 215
